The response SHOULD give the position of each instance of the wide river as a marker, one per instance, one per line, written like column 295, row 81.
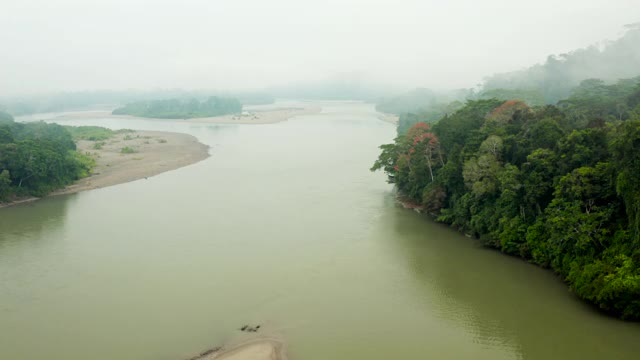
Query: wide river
column 285, row 226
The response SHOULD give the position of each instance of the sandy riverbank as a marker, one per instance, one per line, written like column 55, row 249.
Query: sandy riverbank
column 153, row 153
column 255, row 349
column 252, row 117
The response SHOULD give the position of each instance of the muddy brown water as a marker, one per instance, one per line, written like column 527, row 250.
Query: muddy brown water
column 285, row 226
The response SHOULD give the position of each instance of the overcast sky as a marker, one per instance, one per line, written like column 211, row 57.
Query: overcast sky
column 234, row 44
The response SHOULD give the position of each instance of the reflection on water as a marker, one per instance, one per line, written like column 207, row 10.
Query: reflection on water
column 26, row 232
column 504, row 301
column 283, row 225
column 33, row 218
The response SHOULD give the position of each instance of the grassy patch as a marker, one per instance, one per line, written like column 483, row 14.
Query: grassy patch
column 93, row 133
column 128, row 150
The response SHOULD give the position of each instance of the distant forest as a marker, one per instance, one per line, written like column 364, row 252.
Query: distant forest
column 552, row 81
column 181, row 109
column 558, row 185
column 68, row 101
column 542, row 84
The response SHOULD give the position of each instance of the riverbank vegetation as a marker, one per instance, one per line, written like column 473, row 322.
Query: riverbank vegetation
column 181, row 109
column 555, row 184
column 37, row 158
column 93, row 133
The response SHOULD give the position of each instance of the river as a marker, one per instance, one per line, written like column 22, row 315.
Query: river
column 284, row 226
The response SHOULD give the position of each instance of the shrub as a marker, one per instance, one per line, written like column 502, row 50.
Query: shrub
column 127, row 150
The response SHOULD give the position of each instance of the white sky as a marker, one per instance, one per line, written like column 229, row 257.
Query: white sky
column 52, row 45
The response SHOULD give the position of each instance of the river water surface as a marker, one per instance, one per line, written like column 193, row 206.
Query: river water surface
column 283, row 225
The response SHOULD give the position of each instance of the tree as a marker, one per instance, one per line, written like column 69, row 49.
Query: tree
column 5, row 185
column 36, row 158
column 504, row 113
column 626, row 147
column 557, row 185
column 532, row 97
column 181, row 109
column 539, row 172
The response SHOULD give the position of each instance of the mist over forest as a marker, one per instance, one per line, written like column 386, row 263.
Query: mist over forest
column 544, row 83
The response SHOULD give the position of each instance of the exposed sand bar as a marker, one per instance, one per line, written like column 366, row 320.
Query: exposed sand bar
column 257, row 349
column 153, row 157
column 154, row 153
column 269, row 116
column 259, row 117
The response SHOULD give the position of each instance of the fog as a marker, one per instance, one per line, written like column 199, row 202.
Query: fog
column 73, row 45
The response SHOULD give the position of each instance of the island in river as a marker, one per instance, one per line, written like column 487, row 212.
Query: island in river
column 253, row 115
column 181, row 108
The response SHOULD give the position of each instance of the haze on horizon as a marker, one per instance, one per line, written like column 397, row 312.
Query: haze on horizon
column 73, row 45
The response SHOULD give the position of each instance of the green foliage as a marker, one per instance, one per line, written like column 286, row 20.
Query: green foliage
column 560, row 190
column 36, row 158
column 93, row 133
column 83, row 164
column 127, row 150
column 531, row 97
column 181, row 109
column 5, row 185
column 626, row 148
column 593, row 99
column 457, row 128
column 82, row 100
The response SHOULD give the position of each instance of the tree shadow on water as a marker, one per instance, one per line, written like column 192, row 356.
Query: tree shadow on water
column 34, row 220
column 501, row 300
